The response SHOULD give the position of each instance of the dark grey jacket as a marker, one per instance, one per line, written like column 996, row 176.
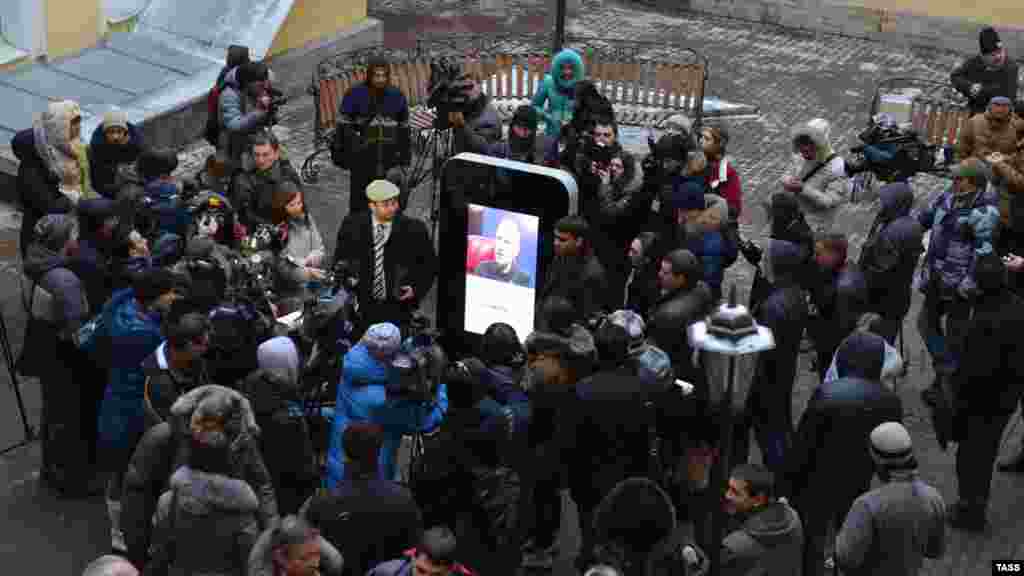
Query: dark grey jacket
column 54, row 292
column 770, row 542
column 890, row 254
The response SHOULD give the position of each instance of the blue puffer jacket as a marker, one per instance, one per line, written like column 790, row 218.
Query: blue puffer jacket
column 362, row 397
column 134, row 336
column 559, row 95
column 960, row 234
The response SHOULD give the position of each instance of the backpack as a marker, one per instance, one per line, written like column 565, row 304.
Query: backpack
column 212, row 131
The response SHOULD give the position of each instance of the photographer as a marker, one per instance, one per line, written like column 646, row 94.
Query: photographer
column 524, row 142
column 477, row 125
column 363, row 103
column 245, row 108
column 986, row 75
column 367, row 393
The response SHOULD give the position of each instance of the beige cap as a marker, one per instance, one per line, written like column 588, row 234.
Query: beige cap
column 381, row 190
column 115, row 118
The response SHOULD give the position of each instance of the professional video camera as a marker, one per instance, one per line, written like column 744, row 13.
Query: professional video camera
column 449, row 91
column 891, row 152
column 277, row 100
column 420, row 364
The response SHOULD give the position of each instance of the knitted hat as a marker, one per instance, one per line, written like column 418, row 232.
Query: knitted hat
column 381, row 190
column 988, row 40
column 996, row 100
column 384, row 338
column 115, row 119
column 54, row 231
column 891, row 446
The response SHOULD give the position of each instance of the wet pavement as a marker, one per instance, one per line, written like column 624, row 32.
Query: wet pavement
column 790, row 76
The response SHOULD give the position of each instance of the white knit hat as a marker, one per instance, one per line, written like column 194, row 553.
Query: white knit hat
column 115, row 118
column 891, row 446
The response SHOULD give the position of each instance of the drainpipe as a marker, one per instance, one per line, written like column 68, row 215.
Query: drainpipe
column 559, row 25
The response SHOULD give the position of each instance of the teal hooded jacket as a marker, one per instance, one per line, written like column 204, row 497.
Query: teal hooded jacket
column 557, row 93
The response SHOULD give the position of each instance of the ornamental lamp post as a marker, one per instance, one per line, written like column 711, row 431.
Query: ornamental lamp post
column 730, row 341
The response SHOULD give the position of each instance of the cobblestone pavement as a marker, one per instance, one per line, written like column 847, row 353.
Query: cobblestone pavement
column 791, row 76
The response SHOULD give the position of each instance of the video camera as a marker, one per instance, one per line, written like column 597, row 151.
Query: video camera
column 449, row 91
column 420, row 364
column 891, row 152
column 277, row 100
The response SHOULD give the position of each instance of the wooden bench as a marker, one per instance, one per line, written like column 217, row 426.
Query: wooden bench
column 643, row 92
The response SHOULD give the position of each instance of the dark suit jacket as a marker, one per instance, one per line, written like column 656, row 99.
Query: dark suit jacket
column 409, row 257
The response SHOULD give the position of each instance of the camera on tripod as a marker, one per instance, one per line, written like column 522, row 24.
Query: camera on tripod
column 449, row 91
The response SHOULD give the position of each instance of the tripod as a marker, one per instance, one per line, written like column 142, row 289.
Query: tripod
column 5, row 348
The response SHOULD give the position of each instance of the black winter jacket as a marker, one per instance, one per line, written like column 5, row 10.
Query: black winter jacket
column 994, row 82
column 38, row 189
column 890, row 254
column 582, row 281
column 666, row 328
column 830, row 461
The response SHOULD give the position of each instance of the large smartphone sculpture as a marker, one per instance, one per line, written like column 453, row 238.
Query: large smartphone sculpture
column 495, row 244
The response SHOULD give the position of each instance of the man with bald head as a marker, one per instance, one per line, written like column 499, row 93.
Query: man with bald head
column 507, row 244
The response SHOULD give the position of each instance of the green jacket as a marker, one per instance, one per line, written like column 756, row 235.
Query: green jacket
column 557, row 93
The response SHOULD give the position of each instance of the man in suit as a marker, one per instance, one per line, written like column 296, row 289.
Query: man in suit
column 394, row 255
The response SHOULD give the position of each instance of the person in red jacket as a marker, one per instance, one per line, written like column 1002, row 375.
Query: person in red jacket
column 721, row 177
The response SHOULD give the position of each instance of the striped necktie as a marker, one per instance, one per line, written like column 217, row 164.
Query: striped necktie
column 379, row 239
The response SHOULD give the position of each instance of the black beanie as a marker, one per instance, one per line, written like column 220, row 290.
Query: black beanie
column 988, row 39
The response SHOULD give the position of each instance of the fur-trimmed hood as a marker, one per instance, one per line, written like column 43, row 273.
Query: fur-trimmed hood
column 819, row 131
column 203, row 493
column 567, row 56
column 212, row 400
column 261, row 561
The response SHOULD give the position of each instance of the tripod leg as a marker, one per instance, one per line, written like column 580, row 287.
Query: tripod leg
column 8, row 356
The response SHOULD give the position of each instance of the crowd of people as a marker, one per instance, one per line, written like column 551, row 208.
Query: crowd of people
column 183, row 395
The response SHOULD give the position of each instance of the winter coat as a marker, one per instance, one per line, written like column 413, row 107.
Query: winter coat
column 1010, row 175
column 580, row 280
column 557, row 93
column 59, row 296
column 829, row 464
column 404, row 567
column 984, row 134
column 92, row 263
column 706, row 240
column 891, row 253
column 303, row 240
column 253, row 191
column 358, row 104
column 640, row 293
column 165, row 448
column 239, row 118
column 362, row 397
column 261, row 560
column 961, row 231
column 891, row 529
column 211, row 521
column 610, row 413
column 827, row 189
column 165, row 385
column 784, row 310
column 727, row 186
column 789, row 223
column 369, row 520
column 48, row 159
column 770, row 541
column 841, row 297
column 482, row 128
column 988, row 384
column 172, row 216
column 274, row 391
column 105, row 159
column 134, row 335
column 994, row 81
column 667, row 322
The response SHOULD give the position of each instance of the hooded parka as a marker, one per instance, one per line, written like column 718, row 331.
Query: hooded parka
column 558, row 93
column 825, row 188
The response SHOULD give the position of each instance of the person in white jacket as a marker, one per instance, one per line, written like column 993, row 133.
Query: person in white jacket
column 817, row 175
